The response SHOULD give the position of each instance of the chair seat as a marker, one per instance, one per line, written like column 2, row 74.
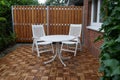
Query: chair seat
column 69, row 42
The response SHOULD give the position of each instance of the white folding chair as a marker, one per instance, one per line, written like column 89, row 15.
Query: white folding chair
column 39, row 45
column 72, row 46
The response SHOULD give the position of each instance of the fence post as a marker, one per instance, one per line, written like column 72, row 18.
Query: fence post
column 12, row 19
column 47, row 20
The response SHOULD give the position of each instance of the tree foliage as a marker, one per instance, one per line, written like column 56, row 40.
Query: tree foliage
column 64, row 2
column 76, row 2
column 55, row 2
column 5, row 8
column 6, row 35
column 110, row 50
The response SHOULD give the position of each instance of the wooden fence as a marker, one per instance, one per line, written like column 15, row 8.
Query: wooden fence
column 56, row 19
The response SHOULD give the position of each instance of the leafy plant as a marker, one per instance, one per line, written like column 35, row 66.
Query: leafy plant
column 7, row 36
column 110, row 49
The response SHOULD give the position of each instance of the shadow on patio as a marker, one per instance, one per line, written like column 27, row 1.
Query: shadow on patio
column 21, row 64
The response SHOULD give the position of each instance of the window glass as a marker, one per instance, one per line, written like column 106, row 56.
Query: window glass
column 95, row 12
column 95, row 6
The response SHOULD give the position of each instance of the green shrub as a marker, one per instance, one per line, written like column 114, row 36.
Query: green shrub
column 7, row 36
column 110, row 50
column 5, row 41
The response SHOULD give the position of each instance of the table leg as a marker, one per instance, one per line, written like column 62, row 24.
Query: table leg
column 53, row 58
column 57, row 53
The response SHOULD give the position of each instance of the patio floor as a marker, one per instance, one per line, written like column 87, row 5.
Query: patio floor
column 21, row 64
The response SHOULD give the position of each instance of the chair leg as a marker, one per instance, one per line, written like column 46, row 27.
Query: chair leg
column 38, row 53
column 33, row 46
column 76, row 49
column 80, row 46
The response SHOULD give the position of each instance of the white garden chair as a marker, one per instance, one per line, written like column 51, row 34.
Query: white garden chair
column 39, row 45
column 72, row 46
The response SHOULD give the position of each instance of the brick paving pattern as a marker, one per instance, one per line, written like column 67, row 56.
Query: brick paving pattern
column 22, row 64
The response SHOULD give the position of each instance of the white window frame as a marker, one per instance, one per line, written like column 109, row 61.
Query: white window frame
column 98, row 13
column 95, row 25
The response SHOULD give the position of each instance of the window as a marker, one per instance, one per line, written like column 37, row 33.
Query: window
column 95, row 13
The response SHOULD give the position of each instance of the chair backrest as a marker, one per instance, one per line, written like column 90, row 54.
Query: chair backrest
column 75, row 30
column 38, row 31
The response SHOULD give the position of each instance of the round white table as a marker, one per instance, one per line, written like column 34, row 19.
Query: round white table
column 57, row 39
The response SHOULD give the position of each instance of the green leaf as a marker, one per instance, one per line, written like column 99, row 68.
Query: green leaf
column 118, row 39
column 116, row 77
column 102, row 78
column 117, row 27
column 103, row 46
column 98, row 38
column 115, row 10
column 107, row 44
column 2, row 2
column 102, row 68
column 2, row 19
column 108, row 72
column 107, row 22
column 111, row 63
column 106, row 56
column 116, row 71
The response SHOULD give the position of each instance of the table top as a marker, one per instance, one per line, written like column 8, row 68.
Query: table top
column 57, row 38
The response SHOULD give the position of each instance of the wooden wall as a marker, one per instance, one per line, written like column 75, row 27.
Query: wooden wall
column 56, row 19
